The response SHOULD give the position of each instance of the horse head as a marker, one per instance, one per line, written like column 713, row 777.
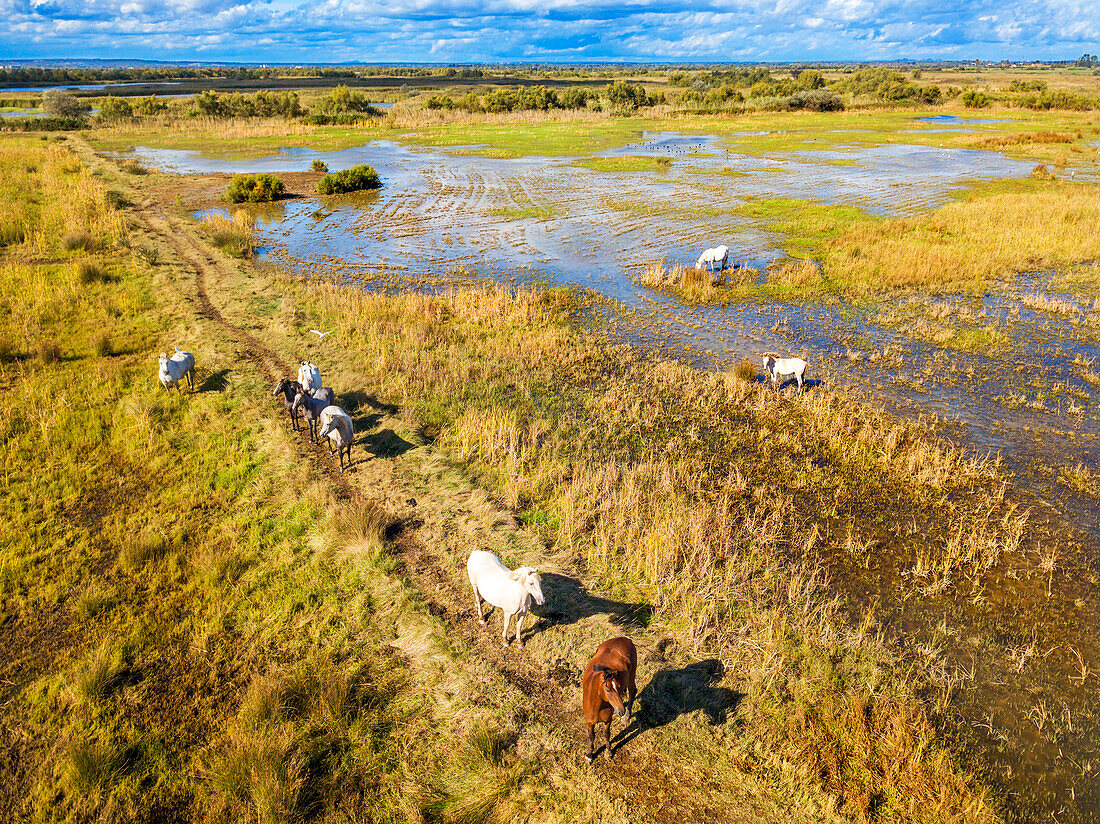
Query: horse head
column 279, row 387
column 529, row 579
column 611, row 688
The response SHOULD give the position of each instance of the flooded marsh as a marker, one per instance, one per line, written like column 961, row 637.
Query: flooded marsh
column 1008, row 370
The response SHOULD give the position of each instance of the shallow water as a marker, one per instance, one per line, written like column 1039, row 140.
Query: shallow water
column 1029, row 398
column 84, row 87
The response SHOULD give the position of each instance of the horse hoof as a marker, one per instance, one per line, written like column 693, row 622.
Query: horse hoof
column 483, row 622
column 588, row 758
column 504, row 644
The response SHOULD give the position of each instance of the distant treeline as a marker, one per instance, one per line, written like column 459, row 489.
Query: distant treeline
column 805, row 88
column 40, row 76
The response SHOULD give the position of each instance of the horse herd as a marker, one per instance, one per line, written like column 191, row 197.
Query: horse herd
column 608, row 681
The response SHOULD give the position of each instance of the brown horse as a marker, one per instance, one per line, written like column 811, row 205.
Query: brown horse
column 607, row 678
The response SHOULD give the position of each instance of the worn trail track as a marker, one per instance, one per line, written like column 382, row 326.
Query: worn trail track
column 637, row 778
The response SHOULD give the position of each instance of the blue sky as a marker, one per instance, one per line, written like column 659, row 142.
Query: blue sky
column 443, row 31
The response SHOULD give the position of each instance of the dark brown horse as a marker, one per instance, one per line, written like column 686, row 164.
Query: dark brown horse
column 289, row 390
column 609, row 677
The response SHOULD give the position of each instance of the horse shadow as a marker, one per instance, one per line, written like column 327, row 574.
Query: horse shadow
column 215, row 381
column 808, row 384
column 568, row 602
column 387, row 444
column 672, row 693
column 356, row 401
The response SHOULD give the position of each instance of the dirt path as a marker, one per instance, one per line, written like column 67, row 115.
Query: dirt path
column 436, row 516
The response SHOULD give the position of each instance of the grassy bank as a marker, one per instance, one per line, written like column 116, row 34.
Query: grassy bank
column 985, row 236
column 195, row 628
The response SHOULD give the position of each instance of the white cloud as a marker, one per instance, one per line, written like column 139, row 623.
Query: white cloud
column 492, row 30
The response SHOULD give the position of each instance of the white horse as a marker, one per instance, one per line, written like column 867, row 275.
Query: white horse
column 719, row 255
column 309, row 376
column 776, row 367
column 511, row 591
column 173, row 369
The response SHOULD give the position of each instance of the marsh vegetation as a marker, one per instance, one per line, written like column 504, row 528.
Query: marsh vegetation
column 844, row 614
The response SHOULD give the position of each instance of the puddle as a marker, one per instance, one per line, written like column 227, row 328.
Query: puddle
column 954, row 118
column 84, row 87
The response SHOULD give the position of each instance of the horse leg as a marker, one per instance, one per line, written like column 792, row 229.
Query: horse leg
column 591, row 754
column 607, row 738
column 507, row 621
column 477, row 605
column 519, row 630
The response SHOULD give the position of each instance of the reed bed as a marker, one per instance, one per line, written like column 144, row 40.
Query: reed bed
column 971, row 241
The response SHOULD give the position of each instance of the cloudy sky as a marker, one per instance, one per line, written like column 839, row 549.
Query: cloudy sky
column 331, row 31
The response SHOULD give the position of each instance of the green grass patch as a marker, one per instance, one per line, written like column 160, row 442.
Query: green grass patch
column 523, row 213
column 625, row 163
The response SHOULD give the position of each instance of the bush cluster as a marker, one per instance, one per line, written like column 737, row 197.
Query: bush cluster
column 524, row 98
column 342, row 101
column 254, row 188
column 889, row 86
column 349, row 180
column 1056, row 100
column 974, row 99
column 260, row 104
column 62, row 104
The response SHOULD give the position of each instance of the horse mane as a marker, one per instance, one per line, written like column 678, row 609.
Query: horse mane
column 604, row 669
column 519, row 573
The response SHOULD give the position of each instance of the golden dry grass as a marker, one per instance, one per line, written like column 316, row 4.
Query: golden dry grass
column 972, row 241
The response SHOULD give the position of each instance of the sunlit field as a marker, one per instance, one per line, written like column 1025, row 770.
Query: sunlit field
column 869, row 600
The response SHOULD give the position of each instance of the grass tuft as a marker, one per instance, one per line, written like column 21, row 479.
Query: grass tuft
column 99, row 676
column 88, row 272
column 140, row 551
column 49, row 352
column 78, row 240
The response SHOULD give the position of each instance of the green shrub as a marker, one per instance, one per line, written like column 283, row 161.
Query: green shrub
column 974, row 99
column 318, row 165
column 254, row 188
column 64, row 104
column 349, row 180
column 114, row 109
column 1056, row 100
